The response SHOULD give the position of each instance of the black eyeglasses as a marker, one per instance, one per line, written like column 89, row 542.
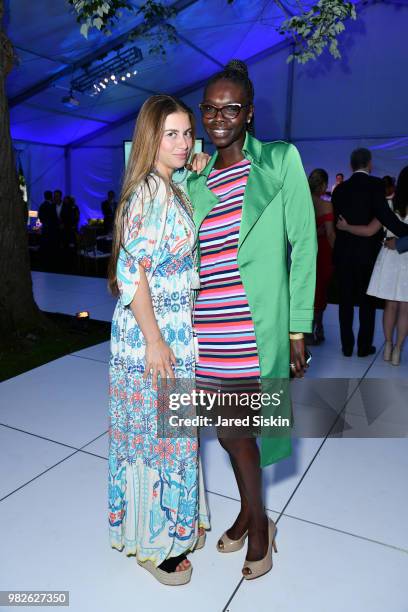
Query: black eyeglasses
column 229, row 111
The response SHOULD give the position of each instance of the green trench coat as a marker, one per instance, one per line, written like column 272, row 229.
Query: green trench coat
column 277, row 210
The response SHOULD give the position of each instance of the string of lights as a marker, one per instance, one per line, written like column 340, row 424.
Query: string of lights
column 97, row 79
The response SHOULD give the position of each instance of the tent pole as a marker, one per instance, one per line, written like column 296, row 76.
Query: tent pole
column 68, row 180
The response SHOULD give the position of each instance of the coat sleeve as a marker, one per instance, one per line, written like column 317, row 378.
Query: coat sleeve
column 301, row 231
column 143, row 234
column 402, row 244
column 385, row 215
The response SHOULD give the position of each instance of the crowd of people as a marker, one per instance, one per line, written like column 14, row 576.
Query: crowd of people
column 356, row 240
column 59, row 217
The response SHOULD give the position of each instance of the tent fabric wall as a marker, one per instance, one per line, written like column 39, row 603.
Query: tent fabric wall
column 97, row 166
column 94, row 171
column 389, row 155
column 44, row 168
column 366, row 93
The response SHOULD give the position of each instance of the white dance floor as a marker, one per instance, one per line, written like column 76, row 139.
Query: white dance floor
column 341, row 504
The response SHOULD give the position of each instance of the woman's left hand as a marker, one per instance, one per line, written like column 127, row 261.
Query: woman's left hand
column 298, row 365
column 342, row 223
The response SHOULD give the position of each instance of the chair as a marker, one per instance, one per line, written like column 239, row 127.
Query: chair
column 89, row 257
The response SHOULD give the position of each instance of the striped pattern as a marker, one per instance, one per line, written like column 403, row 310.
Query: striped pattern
column 222, row 319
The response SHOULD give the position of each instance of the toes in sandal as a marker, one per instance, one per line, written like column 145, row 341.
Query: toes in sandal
column 166, row 572
column 261, row 567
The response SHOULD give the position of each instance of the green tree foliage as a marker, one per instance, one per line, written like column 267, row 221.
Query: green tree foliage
column 313, row 29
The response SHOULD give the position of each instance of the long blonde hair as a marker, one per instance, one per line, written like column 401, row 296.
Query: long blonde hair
column 145, row 146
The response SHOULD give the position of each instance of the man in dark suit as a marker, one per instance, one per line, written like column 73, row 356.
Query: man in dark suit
column 49, row 244
column 108, row 210
column 359, row 200
column 68, row 219
column 46, row 210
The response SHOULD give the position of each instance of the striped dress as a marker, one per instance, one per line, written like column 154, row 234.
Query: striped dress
column 222, row 319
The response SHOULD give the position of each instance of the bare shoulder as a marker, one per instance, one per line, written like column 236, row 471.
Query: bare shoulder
column 323, row 207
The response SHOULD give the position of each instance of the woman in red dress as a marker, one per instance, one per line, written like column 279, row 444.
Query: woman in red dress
column 318, row 181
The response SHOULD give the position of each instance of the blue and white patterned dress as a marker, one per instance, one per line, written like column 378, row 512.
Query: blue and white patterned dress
column 156, row 491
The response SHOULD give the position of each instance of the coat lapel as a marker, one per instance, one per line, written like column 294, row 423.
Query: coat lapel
column 260, row 190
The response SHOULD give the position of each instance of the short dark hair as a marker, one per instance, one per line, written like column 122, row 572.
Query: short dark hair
column 47, row 195
column 58, row 191
column 360, row 158
column 340, row 174
column 111, row 192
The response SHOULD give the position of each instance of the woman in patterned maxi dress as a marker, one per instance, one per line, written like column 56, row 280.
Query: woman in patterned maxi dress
column 156, row 493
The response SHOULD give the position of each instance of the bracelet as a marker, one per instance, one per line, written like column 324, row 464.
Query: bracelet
column 296, row 336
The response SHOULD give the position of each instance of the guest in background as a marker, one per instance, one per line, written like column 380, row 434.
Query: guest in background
column 69, row 219
column 359, row 200
column 318, row 180
column 46, row 212
column 389, row 183
column 68, row 225
column 400, row 245
column 389, row 280
column 339, row 180
column 108, row 210
column 49, row 242
column 57, row 201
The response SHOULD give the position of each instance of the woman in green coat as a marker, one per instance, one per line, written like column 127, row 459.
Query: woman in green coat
column 251, row 202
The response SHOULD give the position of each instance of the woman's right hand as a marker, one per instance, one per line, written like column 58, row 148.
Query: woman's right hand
column 199, row 162
column 342, row 224
column 159, row 359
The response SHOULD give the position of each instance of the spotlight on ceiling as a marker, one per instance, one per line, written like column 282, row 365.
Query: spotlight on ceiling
column 70, row 101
